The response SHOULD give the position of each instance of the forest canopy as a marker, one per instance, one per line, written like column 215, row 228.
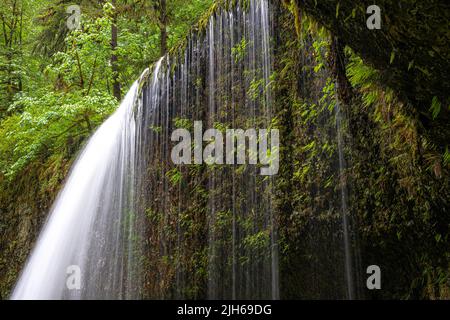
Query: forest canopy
column 57, row 85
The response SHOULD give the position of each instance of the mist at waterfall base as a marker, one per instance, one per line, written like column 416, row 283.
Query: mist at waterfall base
column 129, row 218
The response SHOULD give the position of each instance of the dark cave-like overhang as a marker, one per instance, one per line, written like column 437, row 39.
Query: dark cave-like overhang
column 410, row 50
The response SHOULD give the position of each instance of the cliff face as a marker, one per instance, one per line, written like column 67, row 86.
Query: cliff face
column 351, row 145
column 396, row 170
column 410, row 50
column 24, row 204
column 340, row 92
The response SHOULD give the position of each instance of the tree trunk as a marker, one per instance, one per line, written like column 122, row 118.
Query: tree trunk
column 114, row 66
column 163, row 25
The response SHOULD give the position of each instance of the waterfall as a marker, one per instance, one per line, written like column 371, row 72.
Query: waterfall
column 123, row 218
column 222, row 78
column 92, row 225
column 132, row 224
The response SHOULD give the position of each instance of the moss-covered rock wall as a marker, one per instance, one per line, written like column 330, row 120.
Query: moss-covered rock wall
column 396, row 168
column 24, row 204
column 395, row 180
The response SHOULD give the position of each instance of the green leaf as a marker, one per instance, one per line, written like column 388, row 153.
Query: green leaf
column 435, row 108
column 392, row 57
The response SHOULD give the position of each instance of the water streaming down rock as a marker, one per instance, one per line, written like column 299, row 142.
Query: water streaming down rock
column 344, row 205
column 223, row 79
column 323, row 259
column 125, row 174
column 92, row 224
column 141, row 227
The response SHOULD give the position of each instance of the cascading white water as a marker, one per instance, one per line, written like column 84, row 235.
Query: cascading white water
column 211, row 232
column 92, row 225
column 121, row 178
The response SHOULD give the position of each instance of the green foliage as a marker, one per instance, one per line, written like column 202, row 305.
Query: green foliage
column 447, row 157
column 55, row 89
column 397, row 178
column 183, row 123
column 435, row 108
column 319, row 46
column 84, row 63
column 184, row 14
column 257, row 241
column 48, row 123
column 359, row 73
column 174, row 176
column 239, row 50
column 256, row 87
column 66, row 77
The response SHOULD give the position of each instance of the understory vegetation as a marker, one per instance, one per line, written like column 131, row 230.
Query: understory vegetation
column 57, row 86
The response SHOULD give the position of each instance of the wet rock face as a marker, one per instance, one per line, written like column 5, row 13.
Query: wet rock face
column 410, row 49
column 24, row 204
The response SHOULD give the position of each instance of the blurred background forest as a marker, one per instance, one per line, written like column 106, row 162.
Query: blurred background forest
column 57, row 86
